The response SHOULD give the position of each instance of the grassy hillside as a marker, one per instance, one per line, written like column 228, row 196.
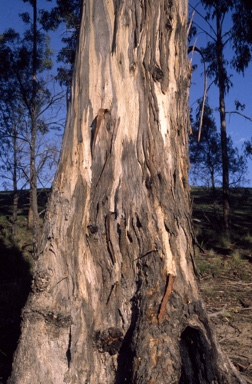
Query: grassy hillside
column 224, row 262
column 233, row 247
column 219, row 258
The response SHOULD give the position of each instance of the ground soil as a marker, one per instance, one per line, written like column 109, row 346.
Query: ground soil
column 228, row 298
column 224, row 261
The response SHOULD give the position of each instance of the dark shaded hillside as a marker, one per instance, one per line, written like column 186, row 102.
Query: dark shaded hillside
column 15, row 281
column 207, row 214
column 15, row 274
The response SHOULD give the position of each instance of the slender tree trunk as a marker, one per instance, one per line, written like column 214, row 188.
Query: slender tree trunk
column 15, row 186
column 115, row 299
column 222, row 108
column 213, row 185
column 33, row 216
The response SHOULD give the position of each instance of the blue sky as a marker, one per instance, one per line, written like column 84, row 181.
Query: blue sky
column 239, row 128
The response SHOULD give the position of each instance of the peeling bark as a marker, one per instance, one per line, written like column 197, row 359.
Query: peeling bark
column 115, row 299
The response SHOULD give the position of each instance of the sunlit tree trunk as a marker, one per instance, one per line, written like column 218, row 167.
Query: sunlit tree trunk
column 115, row 298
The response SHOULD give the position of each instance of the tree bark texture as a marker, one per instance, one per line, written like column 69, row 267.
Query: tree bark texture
column 115, row 299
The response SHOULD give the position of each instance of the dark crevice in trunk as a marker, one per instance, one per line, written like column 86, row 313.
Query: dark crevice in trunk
column 196, row 358
column 125, row 368
column 126, row 355
column 68, row 352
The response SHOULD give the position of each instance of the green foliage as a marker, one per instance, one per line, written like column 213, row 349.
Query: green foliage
column 242, row 34
column 66, row 12
column 16, row 68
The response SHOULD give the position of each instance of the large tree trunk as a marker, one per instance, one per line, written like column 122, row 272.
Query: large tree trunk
column 115, row 298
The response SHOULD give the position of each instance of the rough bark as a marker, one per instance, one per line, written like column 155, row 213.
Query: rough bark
column 115, row 299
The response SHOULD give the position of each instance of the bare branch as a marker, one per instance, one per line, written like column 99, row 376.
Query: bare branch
column 240, row 114
column 209, row 24
column 190, row 24
column 195, row 49
column 53, row 100
column 204, row 31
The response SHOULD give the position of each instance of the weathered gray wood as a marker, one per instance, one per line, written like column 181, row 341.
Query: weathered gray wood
column 115, row 299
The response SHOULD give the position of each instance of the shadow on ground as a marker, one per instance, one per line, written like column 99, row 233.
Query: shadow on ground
column 15, row 282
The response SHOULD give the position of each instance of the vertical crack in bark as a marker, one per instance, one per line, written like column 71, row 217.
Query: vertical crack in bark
column 103, row 168
column 127, row 353
column 123, row 237
column 68, row 352
column 113, row 289
column 108, row 239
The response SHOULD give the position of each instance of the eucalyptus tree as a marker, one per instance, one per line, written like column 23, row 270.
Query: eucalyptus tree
column 36, row 56
column 28, row 93
column 115, row 298
column 215, row 23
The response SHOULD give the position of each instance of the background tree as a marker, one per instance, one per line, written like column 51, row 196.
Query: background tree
column 248, row 147
column 28, row 93
column 13, row 169
column 114, row 294
column 205, row 155
column 220, row 34
column 12, row 122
